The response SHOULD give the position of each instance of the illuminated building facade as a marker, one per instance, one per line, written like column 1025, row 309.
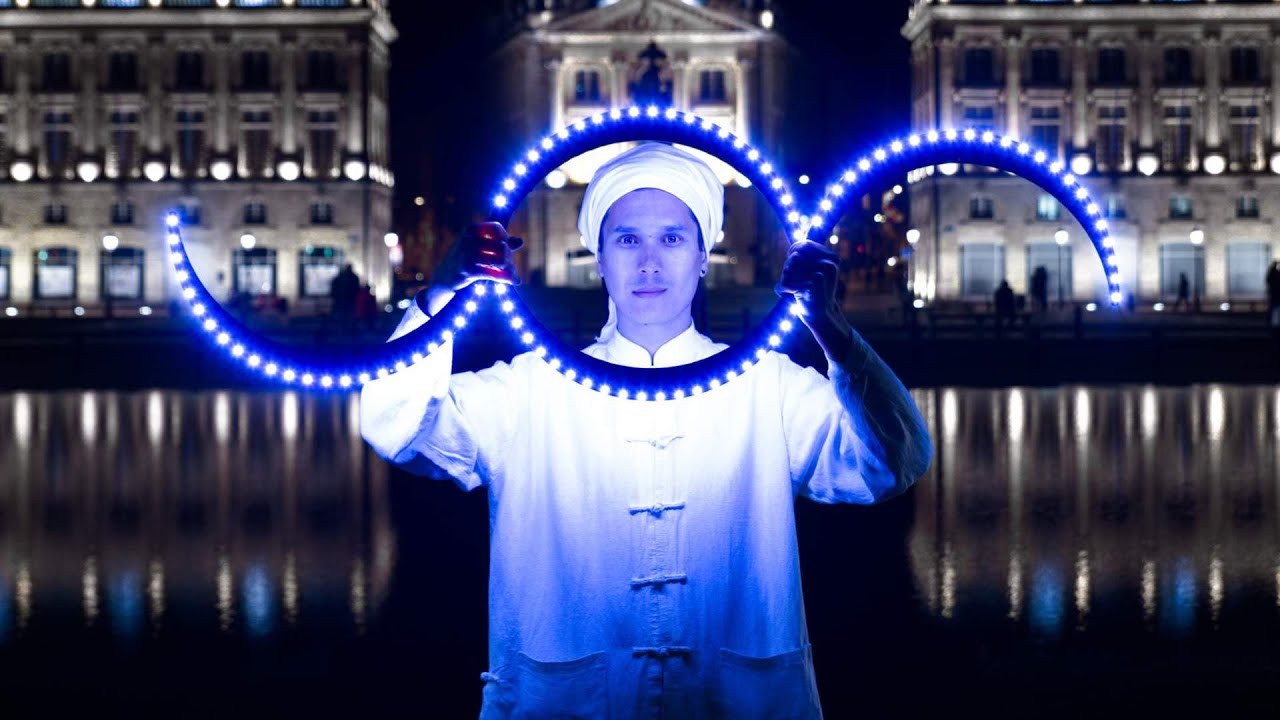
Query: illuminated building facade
column 263, row 121
column 1168, row 111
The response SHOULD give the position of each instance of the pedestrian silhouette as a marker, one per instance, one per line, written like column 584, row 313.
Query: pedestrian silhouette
column 343, row 291
column 1006, row 310
column 1273, row 294
column 1040, row 289
column 1184, row 292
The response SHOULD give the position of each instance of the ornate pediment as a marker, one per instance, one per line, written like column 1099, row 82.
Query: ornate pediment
column 649, row 17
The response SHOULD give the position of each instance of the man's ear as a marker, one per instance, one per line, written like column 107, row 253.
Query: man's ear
column 706, row 263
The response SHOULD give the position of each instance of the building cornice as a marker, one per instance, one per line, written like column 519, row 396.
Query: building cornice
column 921, row 18
column 201, row 19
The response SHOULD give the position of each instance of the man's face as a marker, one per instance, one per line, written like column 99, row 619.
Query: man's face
column 650, row 258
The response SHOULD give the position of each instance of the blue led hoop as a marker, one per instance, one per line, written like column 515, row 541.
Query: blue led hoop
column 666, row 125
column 313, row 367
column 978, row 147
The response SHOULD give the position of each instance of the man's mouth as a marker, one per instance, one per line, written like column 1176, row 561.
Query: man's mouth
column 648, row 291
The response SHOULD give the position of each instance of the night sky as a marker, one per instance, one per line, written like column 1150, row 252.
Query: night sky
column 855, row 59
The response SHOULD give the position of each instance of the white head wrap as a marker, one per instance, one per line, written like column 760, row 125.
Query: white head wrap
column 655, row 166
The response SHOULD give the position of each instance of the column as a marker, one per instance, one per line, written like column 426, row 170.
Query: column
column 1146, row 98
column 355, row 100
column 1013, row 85
column 680, row 83
column 740, row 95
column 555, row 70
column 22, row 98
column 946, row 50
column 618, row 78
column 87, row 123
column 1213, row 91
column 155, row 96
column 220, row 56
column 1275, row 88
column 1079, row 92
column 288, row 96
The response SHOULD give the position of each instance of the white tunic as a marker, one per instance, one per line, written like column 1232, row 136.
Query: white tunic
column 643, row 556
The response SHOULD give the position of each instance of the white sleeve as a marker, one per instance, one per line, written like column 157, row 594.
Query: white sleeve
column 431, row 422
column 855, row 436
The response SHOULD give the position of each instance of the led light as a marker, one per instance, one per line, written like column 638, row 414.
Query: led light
column 1215, row 163
column 970, row 134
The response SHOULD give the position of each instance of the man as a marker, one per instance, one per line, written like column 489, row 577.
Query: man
column 643, row 555
column 1006, row 306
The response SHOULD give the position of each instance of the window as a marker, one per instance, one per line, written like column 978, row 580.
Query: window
column 981, row 116
column 1047, row 208
column 1045, row 124
column 189, row 71
column 586, row 86
column 981, row 269
column 253, row 271
column 1045, row 67
column 1177, row 66
column 57, row 144
column 979, row 66
column 321, row 213
column 4, row 138
column 255, row 213
column 255, row 70
column 1180, row 207
column 317, row 267
column 1244, row 147
column 711, row 87
column 1115, row 207
column 55, row 273
column 6, row 262
column 122, row 149
column 190, row 134
column 55, row 214
column 1111, row 66
column 1176, row 141
column 255, row 150
column 57, row 72
column 189, row 212
column 1112, row 151
column 981, row 207
column 322, row 148
column 122, row 72
column 120, row 275
column 1247, row 206
column 322, row 70
column 1247, row 264
column 121, row 213
column 1244, row 65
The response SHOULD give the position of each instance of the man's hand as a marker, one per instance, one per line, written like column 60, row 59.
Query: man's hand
column 484, row 252
column 811, row 273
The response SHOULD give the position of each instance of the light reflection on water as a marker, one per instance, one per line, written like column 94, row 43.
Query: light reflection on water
column 1143, row 505
column 254, row 511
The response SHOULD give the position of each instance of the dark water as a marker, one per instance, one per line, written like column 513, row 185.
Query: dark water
column 1073, row 551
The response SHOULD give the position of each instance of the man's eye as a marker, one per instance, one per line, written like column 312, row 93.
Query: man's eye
column 673, row 239
column 626, row 239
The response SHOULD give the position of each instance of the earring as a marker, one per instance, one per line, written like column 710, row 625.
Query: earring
column 702, row 273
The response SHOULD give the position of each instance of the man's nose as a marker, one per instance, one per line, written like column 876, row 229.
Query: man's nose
column 649, row 260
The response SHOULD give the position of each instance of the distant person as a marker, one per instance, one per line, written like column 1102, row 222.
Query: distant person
column 343, row 291
column 366, row 307
column 1040, row 289
column 1184, row 292
column 1273, row 294
column 1006, row 306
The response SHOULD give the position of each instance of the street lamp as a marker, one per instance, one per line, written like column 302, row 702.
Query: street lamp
column 1061, row 237
column 109, row 243
column 248, row 241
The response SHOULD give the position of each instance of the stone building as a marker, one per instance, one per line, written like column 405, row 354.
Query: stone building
column 569, row 60
column 1169, row 112
column 263, row 121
